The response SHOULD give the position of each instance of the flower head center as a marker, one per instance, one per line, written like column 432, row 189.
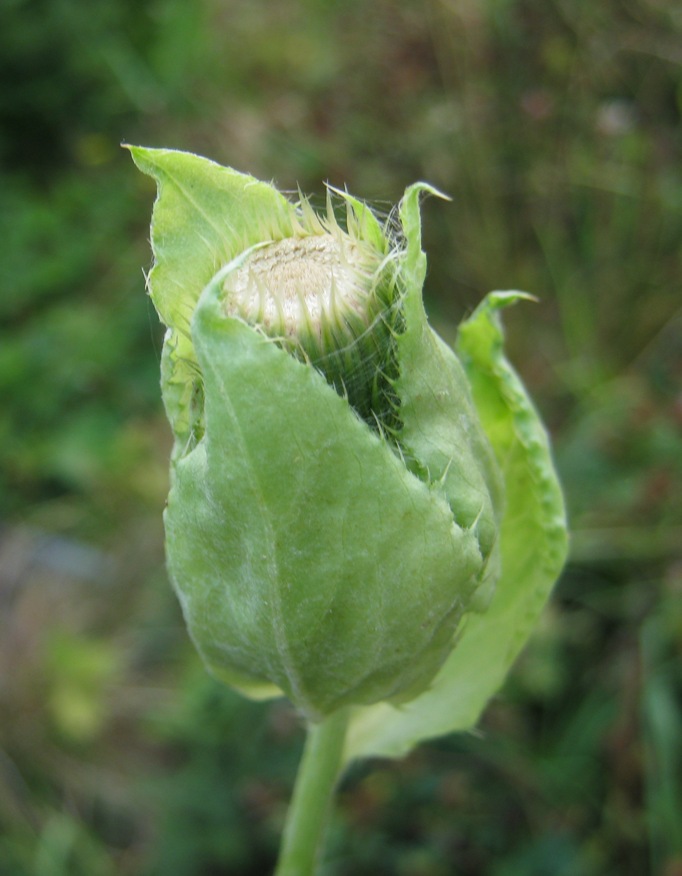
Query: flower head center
column 302, row 283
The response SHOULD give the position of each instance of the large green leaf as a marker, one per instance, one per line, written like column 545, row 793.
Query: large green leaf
column 440, row 427
column 204, row 215
column 305, row 554
column 533, row 549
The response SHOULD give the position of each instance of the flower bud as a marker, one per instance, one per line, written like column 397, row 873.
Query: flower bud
column 331, row 301
column 335, row 504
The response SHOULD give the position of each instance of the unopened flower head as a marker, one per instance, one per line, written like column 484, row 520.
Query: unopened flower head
column 336, row 501
column 302, row 285
column 330, row 298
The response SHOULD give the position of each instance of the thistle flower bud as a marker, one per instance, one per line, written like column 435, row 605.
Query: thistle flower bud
column 331, row 300
column 335, row 504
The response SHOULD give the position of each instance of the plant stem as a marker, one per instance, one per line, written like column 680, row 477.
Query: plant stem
column 318, row 772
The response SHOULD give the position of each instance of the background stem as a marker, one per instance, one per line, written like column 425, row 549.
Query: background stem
column 318, row 772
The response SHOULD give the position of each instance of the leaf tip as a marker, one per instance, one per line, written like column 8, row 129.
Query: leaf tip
column 498, row 300
column 424, row 188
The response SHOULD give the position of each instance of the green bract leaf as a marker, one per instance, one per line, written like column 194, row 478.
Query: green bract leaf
column 204, row 216
column 441, row 430
column 533, row 550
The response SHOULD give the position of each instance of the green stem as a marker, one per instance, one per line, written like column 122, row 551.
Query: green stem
column 309, row 808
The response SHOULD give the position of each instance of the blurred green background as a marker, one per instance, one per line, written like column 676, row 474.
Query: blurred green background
column 555, row 127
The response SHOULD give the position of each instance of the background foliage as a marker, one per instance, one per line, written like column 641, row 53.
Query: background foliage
column 556, row 128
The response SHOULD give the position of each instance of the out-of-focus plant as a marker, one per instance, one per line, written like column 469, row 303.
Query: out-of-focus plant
column 359, row 518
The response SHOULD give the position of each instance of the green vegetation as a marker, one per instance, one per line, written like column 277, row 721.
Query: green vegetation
column 556, row 129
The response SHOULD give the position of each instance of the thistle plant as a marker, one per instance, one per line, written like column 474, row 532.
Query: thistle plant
column 360, row 518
